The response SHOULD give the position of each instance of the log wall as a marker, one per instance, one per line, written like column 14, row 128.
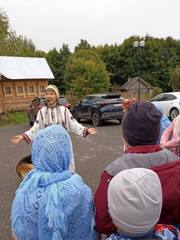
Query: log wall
column 16, row 95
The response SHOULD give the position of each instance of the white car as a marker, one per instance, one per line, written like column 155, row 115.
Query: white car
column 169, row 103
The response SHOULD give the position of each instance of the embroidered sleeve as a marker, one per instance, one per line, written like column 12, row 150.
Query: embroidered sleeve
column 85, row 132
column 30, row 134
column 26, row 138
column 72, row 125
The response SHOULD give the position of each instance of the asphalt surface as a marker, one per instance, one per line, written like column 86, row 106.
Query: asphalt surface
column 92, row 155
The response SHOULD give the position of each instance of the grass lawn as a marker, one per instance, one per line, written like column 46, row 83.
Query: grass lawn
column 13, row 118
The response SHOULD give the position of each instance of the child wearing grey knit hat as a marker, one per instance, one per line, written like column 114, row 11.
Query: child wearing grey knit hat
column 135, row 202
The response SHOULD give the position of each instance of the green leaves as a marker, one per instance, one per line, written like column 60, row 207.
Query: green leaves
column 57, row 61
column 13, row 45
column 175, row 78
column 86, row 73
column 153, row 62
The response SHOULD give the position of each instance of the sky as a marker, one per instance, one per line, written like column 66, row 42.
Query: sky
column 50, row 23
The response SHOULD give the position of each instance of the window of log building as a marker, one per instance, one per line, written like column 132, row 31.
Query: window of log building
column 31, row 89
column 20, row 90
column 8, row 90
column 42, row 89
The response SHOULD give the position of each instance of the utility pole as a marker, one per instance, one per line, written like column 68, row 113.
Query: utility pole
column 139, row 45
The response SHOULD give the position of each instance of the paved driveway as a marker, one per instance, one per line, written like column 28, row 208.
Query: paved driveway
column 92, row 154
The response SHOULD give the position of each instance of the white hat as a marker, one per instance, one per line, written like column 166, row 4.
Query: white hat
column 135, row 200
column 54, row 88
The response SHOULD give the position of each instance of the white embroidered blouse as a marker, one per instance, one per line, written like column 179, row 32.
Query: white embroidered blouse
column 50, row 116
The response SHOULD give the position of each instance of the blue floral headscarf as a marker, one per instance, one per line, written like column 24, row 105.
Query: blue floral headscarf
column 52, row 203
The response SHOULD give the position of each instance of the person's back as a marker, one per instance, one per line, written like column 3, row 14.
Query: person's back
column 52, row 202
column 170, row 180
column 135, row 209
column 140, row 130
column 74, row 213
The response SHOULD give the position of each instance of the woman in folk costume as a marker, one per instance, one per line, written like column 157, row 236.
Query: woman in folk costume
column 52, row 202
column 53, row 114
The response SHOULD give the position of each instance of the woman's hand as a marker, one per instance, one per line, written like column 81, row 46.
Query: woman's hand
column 92, row 131
column 16, row 139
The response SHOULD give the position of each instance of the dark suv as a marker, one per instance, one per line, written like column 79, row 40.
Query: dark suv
column 99, row 107
column 39, row 102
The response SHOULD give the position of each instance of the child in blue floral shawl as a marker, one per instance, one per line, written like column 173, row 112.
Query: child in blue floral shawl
column 52, row 203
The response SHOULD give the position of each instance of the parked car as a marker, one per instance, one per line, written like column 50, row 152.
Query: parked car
column 99, row 107
column 39, row 102
column 169, row 103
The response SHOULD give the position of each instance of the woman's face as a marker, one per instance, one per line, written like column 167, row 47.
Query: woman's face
column 50, row 97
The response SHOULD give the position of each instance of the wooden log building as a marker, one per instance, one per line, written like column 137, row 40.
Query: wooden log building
column 22, row 79
column 136, row 87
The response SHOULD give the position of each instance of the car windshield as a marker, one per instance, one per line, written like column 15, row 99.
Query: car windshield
column 111, row 96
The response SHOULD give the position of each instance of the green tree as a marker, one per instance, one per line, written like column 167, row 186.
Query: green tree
column 57, row 61
column 156, row 91
column 4, row 25
column 13, row 45
column 153, row 62
column 82, row 45
column 20, row 46
column 175, row 78
column 4, row 32
column 86, row 73
column 113, row 61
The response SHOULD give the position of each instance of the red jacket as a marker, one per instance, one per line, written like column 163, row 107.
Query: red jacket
column 103, row 220
column 169, row 175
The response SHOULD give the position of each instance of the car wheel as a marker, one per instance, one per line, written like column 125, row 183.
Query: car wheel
column 96, row 119
column 75, row 115
column 174, row 113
